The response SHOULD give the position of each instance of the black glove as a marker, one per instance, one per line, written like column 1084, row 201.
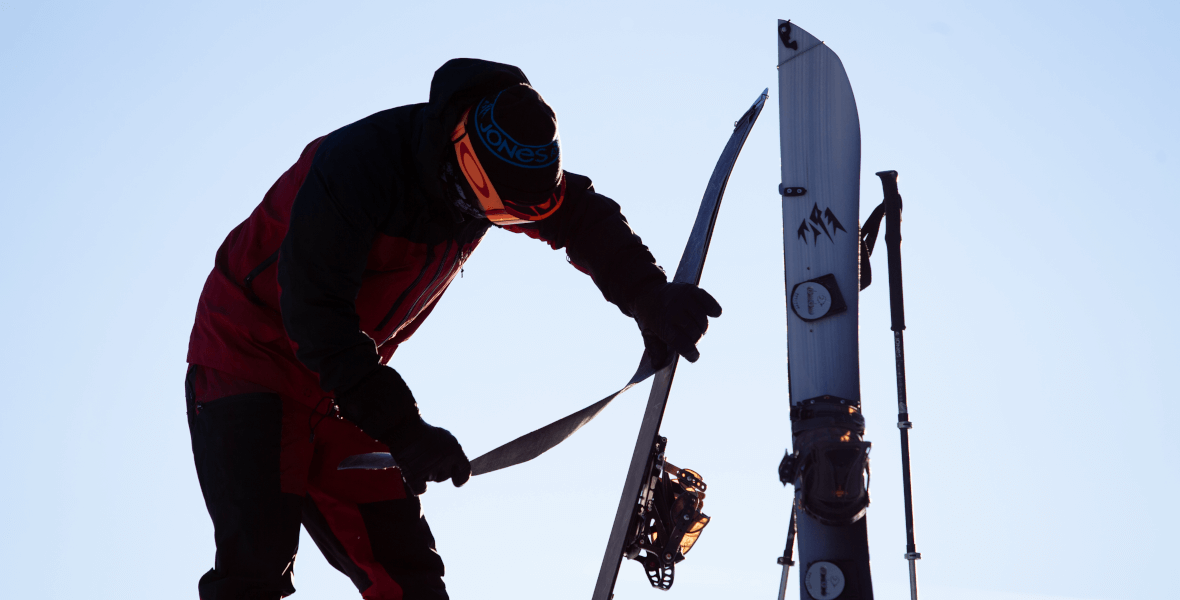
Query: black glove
column 428, row 453
column 673, row 316
column 382, row 405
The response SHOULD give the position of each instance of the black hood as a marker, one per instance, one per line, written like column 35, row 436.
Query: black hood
column 456, row 85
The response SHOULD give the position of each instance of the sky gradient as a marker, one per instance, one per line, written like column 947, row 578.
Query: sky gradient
column 1036, row 147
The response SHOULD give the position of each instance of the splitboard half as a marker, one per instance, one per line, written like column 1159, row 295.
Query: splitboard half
column 541, row 440
column 820, row 144
column 647, row 462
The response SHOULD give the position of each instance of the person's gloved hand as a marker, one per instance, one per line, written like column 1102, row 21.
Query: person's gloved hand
column 673, row 316
column 382, row 405
column 428, row 453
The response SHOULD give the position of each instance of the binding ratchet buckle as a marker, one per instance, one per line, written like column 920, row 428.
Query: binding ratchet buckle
column 668, row 518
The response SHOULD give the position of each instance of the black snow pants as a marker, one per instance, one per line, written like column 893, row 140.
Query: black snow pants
column 263, row 473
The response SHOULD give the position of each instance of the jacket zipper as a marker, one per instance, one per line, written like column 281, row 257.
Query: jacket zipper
column 428, row 291
column 406, row 292
column 460, row 257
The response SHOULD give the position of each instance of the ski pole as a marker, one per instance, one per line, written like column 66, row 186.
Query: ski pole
column 897, row 318
column 787, row 559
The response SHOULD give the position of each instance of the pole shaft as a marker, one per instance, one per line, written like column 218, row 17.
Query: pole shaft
column 913, row 580
column 788, row 558
column 903, row 423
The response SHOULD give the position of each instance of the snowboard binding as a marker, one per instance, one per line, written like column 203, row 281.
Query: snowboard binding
column 830, row 466
column 668, row 518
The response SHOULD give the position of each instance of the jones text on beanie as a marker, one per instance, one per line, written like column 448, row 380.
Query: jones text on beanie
column 514, row 134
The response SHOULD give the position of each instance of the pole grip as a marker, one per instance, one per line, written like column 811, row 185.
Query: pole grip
column 893, row 246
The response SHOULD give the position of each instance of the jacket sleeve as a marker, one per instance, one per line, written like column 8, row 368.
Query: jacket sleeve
column 334, row 220
column 599, row 242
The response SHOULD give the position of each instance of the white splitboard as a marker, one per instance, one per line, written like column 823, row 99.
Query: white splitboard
column 820, row 190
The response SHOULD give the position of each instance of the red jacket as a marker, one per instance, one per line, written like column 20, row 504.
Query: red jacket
column 363, row 244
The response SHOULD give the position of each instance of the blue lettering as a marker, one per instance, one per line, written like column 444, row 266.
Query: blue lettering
column 499, row 143
column 506, row 149
column 497, row 140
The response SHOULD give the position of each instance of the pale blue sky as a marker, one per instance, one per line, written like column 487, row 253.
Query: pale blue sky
column 1035, row 143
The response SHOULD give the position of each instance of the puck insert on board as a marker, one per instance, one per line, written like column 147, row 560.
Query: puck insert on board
column 824, row 580
column 817, row 298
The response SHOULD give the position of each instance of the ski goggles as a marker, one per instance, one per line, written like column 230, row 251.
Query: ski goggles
column 498, row 210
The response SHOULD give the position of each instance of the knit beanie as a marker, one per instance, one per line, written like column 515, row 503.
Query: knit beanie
column 514, row 134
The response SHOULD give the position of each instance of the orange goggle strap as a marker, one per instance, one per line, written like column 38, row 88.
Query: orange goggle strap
column 489, row 200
